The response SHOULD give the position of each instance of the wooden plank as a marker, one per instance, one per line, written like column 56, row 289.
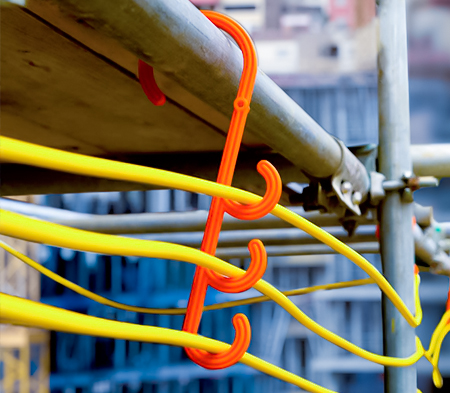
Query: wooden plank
column 111, row 49
column 58, row 93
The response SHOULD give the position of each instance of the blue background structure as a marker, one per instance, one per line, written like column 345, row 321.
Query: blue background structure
column 81, row 364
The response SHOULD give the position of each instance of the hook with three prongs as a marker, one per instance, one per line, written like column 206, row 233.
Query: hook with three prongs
column 204, row 277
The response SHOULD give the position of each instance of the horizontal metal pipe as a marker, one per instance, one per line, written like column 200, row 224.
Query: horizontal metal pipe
column 431, row 160
column 180, row 43
column 445, row 227
column 199, row 164
column 239, row 238
column 307, row 249
column 233, row 242
column 42, row 212
column 157, row 222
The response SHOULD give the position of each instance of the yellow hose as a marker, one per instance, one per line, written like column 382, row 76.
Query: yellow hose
column 13, row 150
column 434, row 350
column 34, row 230
column 12, row 224
column 29, row 313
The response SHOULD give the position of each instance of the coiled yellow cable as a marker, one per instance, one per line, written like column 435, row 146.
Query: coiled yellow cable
column 18, row 318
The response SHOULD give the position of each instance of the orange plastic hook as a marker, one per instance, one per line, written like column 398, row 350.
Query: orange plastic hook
column 204, row 277
column 215, row 361
column 265, row 205
column 251, row 276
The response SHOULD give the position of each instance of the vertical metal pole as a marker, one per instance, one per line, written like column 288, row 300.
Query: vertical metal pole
column 396, row 242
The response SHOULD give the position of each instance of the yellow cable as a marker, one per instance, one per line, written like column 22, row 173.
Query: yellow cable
column 434, row 338
column 417, row 305
column 171, row 311
column 13, row 150
column 29, row 313
column 433, row 352
column 12, row 224
column 22, row 152
column 437, row 377
column 292, row 292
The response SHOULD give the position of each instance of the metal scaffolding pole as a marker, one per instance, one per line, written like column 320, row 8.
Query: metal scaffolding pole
column 241, row 238
column 181, row 44
column 189, row 221
column 396, row 240
column 295, row 250
column 431, row 160
column 279, row 235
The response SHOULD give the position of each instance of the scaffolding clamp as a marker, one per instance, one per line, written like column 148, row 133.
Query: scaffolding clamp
column 407, row 184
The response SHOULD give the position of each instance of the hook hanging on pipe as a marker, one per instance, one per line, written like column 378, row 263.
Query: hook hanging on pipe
column 204, row 277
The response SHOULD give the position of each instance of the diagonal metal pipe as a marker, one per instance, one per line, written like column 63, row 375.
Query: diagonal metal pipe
column 180, row 43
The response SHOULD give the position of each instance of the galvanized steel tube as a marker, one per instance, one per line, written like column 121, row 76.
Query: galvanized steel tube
column 431, row 160
column 307, row 249
column 189, row 221
column 179, row 42
column 396, row 240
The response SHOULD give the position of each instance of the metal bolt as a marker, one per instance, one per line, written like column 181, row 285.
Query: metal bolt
column 346, row 187
column 356, row 198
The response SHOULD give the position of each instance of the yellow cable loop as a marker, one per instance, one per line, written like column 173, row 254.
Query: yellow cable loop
column 12, row 224
column 29, row 313
column 434, row 338
column 13, row 150
column 433, row 352
column 171, row 311
column 437, row 377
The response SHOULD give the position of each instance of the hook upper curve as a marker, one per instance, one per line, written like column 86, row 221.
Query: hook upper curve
column 265, row 205
column 229, row 357
column 253, row 274
column 245, row 45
